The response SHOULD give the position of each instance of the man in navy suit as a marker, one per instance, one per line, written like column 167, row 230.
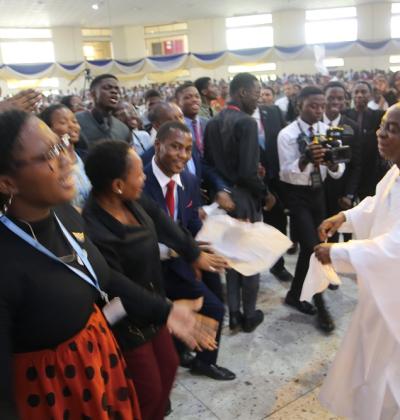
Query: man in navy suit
column 177, row 191
column 189, row 100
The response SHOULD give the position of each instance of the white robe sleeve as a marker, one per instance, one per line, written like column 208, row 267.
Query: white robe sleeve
column 377, row 265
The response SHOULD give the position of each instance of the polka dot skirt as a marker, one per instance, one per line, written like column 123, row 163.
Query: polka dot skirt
column 83, row 378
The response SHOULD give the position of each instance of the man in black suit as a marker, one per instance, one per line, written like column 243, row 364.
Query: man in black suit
column 231, row 147
column 373, row 167
column 270, row 122
column 341, row 193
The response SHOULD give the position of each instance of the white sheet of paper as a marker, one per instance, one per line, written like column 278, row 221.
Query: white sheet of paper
column 250, row 248
column 318, row 278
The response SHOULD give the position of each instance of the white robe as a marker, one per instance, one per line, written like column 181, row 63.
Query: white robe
column 364, row 380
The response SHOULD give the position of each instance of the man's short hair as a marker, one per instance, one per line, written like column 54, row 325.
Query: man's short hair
column 96, row 81
column 334, row 84
column 202, row 83
column 309, row 91
column 363, row 82
column 241, row 81
column 165, row 130
column 156, row 113
column 151, row 93
column 179, row 90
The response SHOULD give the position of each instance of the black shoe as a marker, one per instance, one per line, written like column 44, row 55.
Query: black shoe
column 186, row 359
column 212, row 371
column 293, row 249
column 324, row 319
column 235, row 320
column 281, row 274
column 333, row 287
column 302, row 306
column 168, row 408
column 250, row 324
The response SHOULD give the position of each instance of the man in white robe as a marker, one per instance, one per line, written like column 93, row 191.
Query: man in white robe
column 364, row 380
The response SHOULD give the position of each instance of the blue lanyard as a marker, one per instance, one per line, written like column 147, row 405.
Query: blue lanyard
column 79, row 251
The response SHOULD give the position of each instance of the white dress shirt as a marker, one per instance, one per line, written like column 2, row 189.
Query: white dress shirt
column 331, row 123
column 283, row 104
column 163, row 180
column 289, row 154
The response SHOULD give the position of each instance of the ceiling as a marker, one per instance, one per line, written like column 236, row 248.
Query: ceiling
column 47, row 13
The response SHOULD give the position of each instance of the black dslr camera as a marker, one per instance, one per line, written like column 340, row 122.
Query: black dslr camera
column 332, row 141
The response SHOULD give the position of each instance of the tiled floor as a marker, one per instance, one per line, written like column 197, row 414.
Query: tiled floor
column 279, row 367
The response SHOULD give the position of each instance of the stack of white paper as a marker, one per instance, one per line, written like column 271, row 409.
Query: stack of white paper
column 250, row 248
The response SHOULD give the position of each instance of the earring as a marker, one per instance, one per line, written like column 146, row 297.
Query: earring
column 7, row 204
column 119, row 192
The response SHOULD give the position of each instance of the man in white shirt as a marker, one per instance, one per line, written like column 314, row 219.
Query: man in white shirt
column 303, row 169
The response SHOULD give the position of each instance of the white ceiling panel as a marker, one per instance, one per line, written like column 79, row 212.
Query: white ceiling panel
column 47, row 13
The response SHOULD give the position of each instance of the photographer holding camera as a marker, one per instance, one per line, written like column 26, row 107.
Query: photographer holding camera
column 305, row 158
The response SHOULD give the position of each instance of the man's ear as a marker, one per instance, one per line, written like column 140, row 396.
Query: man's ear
column 157, row 145
column 7, row 185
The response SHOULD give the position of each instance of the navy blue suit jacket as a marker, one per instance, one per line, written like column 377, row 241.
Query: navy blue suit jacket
column 188, row 218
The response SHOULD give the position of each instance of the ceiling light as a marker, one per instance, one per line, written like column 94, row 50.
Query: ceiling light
column 95, row 6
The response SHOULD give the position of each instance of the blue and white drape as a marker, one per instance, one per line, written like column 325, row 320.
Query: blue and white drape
column 190, row 60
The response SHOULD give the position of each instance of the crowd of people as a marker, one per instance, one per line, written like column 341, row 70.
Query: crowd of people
column 104, row 290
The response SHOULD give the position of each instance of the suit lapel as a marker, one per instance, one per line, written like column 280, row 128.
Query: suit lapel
column 155, row 191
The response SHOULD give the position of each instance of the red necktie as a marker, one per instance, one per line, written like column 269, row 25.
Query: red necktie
column 197, row 135
column 170, row 198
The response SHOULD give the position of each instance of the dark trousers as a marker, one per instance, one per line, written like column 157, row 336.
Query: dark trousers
column 276, row 217
column 242, row 289
column 210, row 289
column 153, row 366
column 307, row 209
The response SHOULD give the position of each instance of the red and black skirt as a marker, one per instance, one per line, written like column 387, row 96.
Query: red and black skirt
column 83, row 378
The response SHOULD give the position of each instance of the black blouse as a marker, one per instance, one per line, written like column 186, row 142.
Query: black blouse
column 134, row 251
column 43, row 303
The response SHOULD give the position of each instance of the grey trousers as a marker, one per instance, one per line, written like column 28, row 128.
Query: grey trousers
column 242, row 289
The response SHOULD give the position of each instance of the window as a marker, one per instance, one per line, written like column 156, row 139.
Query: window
column 333, row 62
column 249, row 32
column 395, row 21
column 166, row 39
column 331, row 25
column 97, row 43
column 161, row 29
column 252, row 68
column 394, row 61
column 97, row 50
column 26, row 46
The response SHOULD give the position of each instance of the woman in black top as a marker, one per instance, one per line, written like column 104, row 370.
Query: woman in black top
column 58, row 358
column 127, row 229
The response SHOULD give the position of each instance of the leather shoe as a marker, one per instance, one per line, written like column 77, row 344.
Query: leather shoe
column 212, row 371
column 168, row 408
column 250, row 324
column 235, row 320
column 281, row 274
column 186, row 359
column 324, row 319
column 293, row 249
column 302, row 306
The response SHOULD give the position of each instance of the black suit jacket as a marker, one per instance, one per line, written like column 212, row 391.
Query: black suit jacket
column 373, row 167
column 347, row 184
column 273, row 122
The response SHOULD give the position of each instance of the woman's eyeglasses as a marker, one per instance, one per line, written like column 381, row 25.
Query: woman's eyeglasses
column 54, row 152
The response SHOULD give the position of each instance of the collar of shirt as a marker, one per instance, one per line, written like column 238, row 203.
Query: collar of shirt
column 188, row 121
column 100, row 118
column 256, row 115
column 163, row 179
column 333, row 123
column 306, row 127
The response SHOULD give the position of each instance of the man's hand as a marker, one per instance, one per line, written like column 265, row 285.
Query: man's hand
column 209, row 262
column 270, row 202
column 315, row 154
column 26, row 100
column 322, row 253
column 330, row 226
column 224, row 200
column 345, row 203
